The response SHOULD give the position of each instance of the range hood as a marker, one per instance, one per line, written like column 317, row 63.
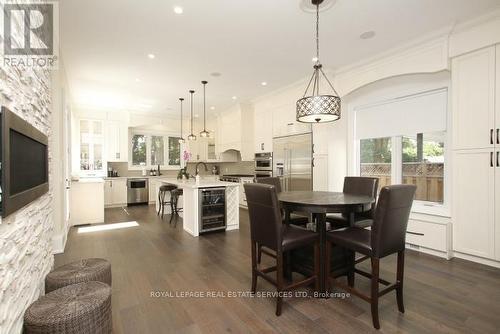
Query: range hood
column 230, row 155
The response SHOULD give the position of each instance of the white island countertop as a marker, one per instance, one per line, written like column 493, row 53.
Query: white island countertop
column 208, row 182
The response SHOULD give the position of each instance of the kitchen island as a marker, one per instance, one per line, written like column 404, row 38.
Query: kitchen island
column 190, row 201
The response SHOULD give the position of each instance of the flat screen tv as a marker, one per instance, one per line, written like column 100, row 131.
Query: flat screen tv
column 24, row 165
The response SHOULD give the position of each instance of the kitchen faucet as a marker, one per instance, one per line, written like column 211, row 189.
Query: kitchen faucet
column 202, row 163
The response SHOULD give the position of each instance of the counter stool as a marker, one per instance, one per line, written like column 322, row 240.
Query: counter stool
column 85, row 270
column 176, row 193
column 83, row 308
column 161, row 198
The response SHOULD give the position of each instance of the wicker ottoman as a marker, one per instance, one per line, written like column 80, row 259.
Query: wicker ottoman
column 79, row 308
column 85, row 270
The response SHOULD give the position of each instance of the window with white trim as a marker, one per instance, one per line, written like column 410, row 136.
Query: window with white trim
column 403, row 141
column 150, row 150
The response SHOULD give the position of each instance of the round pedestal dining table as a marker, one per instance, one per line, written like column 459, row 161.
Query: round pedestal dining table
column 318, row 204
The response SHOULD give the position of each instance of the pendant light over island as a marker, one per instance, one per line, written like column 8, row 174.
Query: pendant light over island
column 191, row 137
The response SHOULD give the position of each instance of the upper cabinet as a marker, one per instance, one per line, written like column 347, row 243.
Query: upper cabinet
column 116, row 141
column 263, row 134
column 91, row 147
column 473, row 87
column 285, row 123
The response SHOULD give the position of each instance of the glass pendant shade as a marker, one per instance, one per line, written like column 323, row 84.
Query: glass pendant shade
column 315, row 107
column 191, row 137
column 204, row 133
column 181, row 139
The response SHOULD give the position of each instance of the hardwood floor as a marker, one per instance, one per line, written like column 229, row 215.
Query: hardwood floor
column 440, row 296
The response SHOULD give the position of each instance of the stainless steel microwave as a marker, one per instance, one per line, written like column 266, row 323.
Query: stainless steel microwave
column 263, row 162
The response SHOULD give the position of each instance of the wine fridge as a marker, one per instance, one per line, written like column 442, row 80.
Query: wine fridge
column 212, row 209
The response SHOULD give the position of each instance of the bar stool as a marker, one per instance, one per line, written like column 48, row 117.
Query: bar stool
column 161, row 199
column 176, row 193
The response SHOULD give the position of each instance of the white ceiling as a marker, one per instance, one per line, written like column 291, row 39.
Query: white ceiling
column 105, row 44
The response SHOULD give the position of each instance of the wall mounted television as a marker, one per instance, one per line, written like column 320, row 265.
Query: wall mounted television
column 24, row 165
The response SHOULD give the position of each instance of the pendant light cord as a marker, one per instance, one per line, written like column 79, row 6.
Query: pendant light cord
column 181, row 115
column 317, row 32
column 191, row 111
column 204, row 108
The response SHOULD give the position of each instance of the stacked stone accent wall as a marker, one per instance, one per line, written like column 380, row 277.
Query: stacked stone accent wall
column 25, row 236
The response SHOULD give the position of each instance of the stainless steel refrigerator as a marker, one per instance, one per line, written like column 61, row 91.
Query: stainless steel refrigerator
column 292, row 161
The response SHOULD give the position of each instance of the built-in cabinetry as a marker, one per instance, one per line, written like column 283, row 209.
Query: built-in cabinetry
column 115, row 192
column 476, row 157
column 263, row 134
column 285, row 123
column 116, row 141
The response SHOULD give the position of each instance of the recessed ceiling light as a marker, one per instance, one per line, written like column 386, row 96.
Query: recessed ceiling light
column 315, row 59
column 178, row 10
column 151, row 56
column 215, row 74
column 137, row 80
column 263, row 83
column 367, row 34
column 234, row 97
column 212, row 108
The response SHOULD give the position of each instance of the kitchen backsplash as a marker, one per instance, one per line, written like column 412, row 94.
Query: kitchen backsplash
column 244, row 167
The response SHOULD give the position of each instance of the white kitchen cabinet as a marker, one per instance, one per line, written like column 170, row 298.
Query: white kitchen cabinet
column 115, row 192
column 285, row 123
column 87, row 201
column 474, row 203
column 497, row 158
column 476, row 153
column 263, row 134
column 116, row 141
column 473, row 89
column 153, row 190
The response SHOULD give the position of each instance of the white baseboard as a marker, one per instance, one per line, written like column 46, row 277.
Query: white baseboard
column 477, row 259
column 441, row 254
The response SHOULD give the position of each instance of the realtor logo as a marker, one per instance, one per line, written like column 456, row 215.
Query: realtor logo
column 29, row 33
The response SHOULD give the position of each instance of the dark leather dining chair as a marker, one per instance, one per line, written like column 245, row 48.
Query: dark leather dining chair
column 357, row 185
column 386, row 237
column 267, row 229
column 295, row 219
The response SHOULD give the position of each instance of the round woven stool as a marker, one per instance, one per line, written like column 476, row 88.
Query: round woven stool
column 85, row 270
column 79, row 308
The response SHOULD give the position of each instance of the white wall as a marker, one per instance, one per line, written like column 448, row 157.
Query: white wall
column 60, row 101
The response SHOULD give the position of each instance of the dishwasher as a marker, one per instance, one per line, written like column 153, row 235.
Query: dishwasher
column 137, row 191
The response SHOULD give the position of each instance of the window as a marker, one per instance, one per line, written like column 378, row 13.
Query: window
column 151, row 150
column 157, row 150
column 376, row 159
column 403, row 141
column 91, row 146
column 138, row 150
column 423, row 165
column 174, row 151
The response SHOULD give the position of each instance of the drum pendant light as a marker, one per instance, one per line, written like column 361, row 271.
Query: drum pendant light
column 191, row 136
column 204, row 133
column 317, row 107
column 181, row 139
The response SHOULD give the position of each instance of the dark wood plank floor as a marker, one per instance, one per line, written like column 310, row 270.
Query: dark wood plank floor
column 440, row 296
